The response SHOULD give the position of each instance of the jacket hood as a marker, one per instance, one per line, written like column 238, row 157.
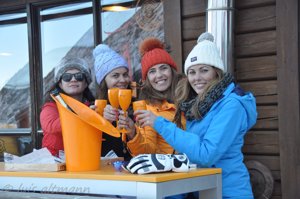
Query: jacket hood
column 247, row 100
column 249, row 103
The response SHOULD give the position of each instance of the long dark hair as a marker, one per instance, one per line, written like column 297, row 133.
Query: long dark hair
column 87, row 94
column 153, row 96
column 101, row 90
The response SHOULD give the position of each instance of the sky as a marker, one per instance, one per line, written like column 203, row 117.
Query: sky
column 13, row 51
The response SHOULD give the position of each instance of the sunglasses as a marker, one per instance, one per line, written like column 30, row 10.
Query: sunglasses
column 68, row 76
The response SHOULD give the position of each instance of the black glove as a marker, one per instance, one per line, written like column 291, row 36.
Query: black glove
column 153, row 163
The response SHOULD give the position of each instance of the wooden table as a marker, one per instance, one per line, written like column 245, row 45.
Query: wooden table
column 110, row 182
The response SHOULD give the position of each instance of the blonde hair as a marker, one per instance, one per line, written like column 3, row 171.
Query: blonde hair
column 185, row 92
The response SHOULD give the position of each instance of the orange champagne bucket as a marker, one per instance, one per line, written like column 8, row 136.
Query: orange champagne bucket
column 82, row 134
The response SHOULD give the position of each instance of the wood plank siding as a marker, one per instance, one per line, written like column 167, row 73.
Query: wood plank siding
column 287, row 23
column 256, row 70
column 193, row 24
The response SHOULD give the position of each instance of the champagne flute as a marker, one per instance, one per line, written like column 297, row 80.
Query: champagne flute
column 139, row 105
column 100, row 105
column 113, row 98
column 125, row 96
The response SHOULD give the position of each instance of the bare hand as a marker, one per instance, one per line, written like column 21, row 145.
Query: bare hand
column 145, row 118
column 110, row 113
column 127, row 123
column 93, row 107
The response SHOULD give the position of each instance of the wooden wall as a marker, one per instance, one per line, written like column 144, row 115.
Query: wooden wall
column 255, row 70
column 288, row 77
column 193, row 23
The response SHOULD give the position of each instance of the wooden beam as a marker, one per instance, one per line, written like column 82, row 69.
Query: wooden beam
column 97, row 26
column 256, row 68
column 35, row 68
column 188, row 46
column 266, row 124
column 272, row 162
column 287, row 23
column 256, row 19
column 193, row 7
column 255, row 44
column 261, row 88
column 264, row 91
column 261, row 143
column 172, row 30
column 254, row 3
column 192, row 27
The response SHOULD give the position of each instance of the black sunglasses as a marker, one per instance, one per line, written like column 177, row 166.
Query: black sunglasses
column 68, row 76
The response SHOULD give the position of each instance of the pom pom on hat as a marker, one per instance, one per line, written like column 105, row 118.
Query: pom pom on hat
column 153, row 52
column 106, row 60
column 205, row 36
column 69, row 63
column 205, row 52
column 150, row 44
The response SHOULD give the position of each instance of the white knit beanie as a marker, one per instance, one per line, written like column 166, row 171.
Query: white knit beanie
column 106, row 60
column 205, row 52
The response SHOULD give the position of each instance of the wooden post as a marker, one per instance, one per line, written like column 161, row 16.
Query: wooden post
column 287, row 19
column 172, row 30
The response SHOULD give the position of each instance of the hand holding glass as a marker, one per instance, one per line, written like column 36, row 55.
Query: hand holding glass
column 139, row 105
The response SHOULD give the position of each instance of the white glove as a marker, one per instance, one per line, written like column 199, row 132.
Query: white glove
column 153, row 163
column 181, row 163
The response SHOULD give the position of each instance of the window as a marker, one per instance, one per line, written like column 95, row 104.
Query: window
column 123, row 30
column 66, row 31
column 14, row 78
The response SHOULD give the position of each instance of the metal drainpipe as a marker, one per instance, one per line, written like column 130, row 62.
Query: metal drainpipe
column 219, row 22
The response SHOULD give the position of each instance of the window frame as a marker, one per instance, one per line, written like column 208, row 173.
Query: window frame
column 33, row 20
column 22, row 9
column 172, row 31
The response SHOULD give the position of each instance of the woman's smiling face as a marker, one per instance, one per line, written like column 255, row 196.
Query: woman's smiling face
column 199, row 76
column 160, row 77
column 118, row 78
column 73, row 87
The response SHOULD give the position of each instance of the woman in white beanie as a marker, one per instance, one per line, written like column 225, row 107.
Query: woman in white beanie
column 111, row 71
column 218, row 114
column 72, row 77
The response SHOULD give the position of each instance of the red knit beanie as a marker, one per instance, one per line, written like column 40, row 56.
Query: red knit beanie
column 153, row 52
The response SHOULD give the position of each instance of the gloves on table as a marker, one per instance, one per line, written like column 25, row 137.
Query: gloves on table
column 153, row 163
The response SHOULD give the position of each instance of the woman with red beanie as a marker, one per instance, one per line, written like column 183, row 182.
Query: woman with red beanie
column 159, row 74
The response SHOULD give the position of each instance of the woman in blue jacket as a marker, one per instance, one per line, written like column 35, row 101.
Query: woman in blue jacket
column 218, row 115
